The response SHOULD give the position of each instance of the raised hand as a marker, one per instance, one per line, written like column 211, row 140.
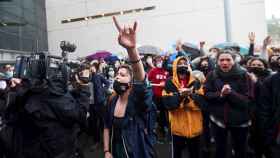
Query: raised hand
column 267, row 41
column 179, row 45
column 252, row 37
column 127, row 39
column 127, row 35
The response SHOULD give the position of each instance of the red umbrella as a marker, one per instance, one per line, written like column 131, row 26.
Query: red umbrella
column 98, row 55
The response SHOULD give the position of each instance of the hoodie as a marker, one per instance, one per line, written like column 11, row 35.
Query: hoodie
column 186, row 120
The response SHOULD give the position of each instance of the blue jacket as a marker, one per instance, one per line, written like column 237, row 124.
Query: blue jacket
column 137, row 133
column 100, row 86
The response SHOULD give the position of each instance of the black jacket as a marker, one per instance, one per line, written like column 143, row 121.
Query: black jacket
column 41, row 124
column 268, row 112
column 2, row 101
column 232, row 110
column 257, row 91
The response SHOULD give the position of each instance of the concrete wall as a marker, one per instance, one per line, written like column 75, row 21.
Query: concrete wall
column 189, row 20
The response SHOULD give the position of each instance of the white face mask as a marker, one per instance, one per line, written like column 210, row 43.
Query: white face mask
column 159, row 65
column 237, row 59
column 3, row 85
column 149, row 60
column 213, row 55
column 111, row 74
column 117, row 64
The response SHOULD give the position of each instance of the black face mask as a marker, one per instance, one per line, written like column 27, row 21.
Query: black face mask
column 204, row 68
column 275, row 66
column 182, row 70
column 120, row 88
column 257, row 71
column 84, row 79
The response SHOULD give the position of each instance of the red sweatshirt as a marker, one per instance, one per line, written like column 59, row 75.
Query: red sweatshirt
column 156, row 76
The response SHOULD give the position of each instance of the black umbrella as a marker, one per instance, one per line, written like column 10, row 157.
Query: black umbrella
column 149, row 49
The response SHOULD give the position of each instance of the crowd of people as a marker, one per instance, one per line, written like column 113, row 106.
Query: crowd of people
column 216, row 98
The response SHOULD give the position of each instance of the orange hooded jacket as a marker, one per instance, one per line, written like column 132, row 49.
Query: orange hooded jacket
column 185, row 121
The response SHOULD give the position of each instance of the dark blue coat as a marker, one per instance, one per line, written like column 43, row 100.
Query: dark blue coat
column 138, row 143
column 100, row 86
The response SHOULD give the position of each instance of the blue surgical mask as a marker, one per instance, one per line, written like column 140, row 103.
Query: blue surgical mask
column 9, row 74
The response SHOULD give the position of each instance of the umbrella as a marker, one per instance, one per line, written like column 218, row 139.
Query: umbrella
column 149, row 49
column 191, row 50
column 111, row 59
column 98, row 55
column 190, row 45
column 243, row 49
column 163, row 53
column 172, row 57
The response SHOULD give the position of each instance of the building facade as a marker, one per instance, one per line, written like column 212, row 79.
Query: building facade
column 23, row 27
column 89, row 24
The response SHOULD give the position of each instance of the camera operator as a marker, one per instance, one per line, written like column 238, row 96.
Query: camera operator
column 42, row 117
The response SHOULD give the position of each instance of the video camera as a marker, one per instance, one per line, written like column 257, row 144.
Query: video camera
column 44, row 66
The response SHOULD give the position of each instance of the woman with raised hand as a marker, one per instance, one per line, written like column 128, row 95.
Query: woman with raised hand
column 127, row 130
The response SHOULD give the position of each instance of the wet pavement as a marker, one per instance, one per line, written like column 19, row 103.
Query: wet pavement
column 163, row 150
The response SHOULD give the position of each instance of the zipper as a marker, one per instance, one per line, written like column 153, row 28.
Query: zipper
column 226, row 113
column 111, row 145
column 172, row 145
column 189, row 123
column 125, row 147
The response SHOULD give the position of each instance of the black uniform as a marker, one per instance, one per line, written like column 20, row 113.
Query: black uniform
column 43, row 124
